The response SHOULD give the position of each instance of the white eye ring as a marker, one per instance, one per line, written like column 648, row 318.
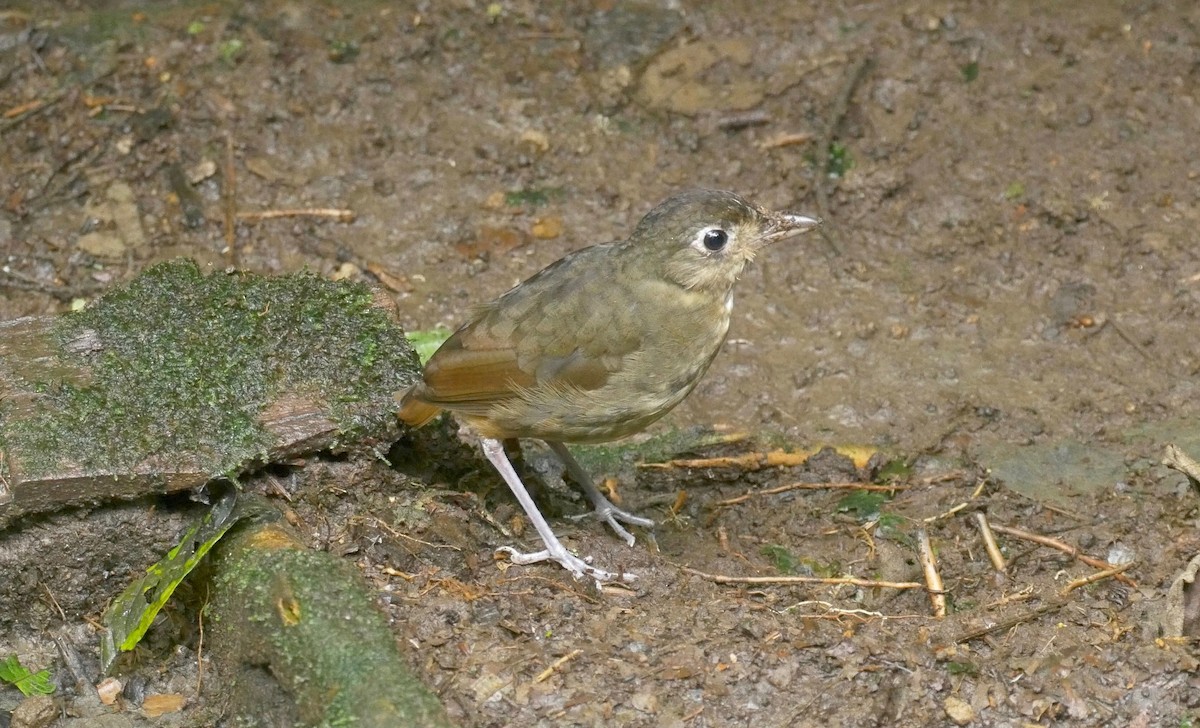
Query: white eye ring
column 711, row 240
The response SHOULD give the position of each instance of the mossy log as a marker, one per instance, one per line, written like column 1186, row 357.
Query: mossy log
column 179, row 377
column 307, row 617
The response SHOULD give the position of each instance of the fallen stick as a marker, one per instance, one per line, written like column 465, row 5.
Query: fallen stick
column 337, row 214
column 808, row 486
column 1093, row 578
column 989, row 543
column 1066, row 549
column 1175, row 458
column 833, row 580
column 1053, row 606
column 933, row 580
column 977, row 492
column 544, row 674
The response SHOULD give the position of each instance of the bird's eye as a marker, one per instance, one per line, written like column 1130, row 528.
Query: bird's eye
column 715, row 239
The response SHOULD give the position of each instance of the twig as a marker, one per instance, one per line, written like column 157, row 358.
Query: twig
column 836, row 113
column 1053, row 606
column 833, row 612
column 1024, row 594
column 977, row 492
column 5, row 487
column 933, row 580
column 24, row 108
column 739, row 121
column 809, row 486
column 785, row 139
column 230, row 206
column 381, row 524
column 339, row 215
column 62, row 615
column 989, row 543
column 26, row 112
column 834, row 580
column 1093, row 578
column 748, row 461
column 1126, row 338
column 557, row 664
column 1066, row 549
column 1175, row 458
column 73, row 662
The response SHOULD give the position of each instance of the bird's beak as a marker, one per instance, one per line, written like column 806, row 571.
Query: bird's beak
column 785, row 225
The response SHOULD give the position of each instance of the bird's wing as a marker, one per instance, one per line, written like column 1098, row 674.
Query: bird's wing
column 473, row 369
column 552, row 331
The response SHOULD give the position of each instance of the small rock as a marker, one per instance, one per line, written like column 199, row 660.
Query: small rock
column 645, row 702
column 108, row 689
column 547, row 228
column 117, row 209
column 102, row 244
column 495, row 201
column 346, row 271
column 38, row 711
column 539, row 140
column 958, row 710
column 202, row 170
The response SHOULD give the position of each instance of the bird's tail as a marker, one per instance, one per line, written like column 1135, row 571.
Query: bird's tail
column 415, row 412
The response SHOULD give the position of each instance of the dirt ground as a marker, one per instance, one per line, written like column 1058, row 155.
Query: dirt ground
column 1005, row 295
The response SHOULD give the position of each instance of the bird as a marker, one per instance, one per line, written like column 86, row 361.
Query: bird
column 599, row 345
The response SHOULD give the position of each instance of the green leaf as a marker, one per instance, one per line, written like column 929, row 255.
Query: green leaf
column 840, row 160
column 780, row 558
column 29, row 683
column 865, row 503
column 427, row 342
column 894, row 470
column 970, row 71
column 132, row 613
column 532, row 196
column 229, row 50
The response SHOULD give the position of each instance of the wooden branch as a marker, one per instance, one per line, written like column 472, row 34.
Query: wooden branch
column 933, row 579
column 989, row 543
column 809, row 486
column 833, row 580
column 1066, row 549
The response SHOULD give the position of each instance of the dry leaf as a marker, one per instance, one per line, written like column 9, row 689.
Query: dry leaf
column 162, row 703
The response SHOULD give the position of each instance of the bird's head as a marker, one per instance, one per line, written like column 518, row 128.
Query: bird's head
column 702, row 239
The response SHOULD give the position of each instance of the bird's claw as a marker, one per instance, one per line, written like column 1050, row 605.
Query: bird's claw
column 569, row 561
column 614, row 516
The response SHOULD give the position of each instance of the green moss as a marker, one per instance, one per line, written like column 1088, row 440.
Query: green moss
column 182, row 365
column 309, row 617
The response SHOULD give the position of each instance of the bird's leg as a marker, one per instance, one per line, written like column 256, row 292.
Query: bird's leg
column 554, row 551
column 605, row 509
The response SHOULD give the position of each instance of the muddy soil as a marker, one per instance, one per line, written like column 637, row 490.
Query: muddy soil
column 1005, row 294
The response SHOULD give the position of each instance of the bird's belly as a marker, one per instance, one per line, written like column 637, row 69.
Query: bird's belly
column 648, row 385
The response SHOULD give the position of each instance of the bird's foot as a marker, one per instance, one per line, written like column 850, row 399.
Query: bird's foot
column 554, row 551
column 604, row 509
column 612, row 515
column 569, row 561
